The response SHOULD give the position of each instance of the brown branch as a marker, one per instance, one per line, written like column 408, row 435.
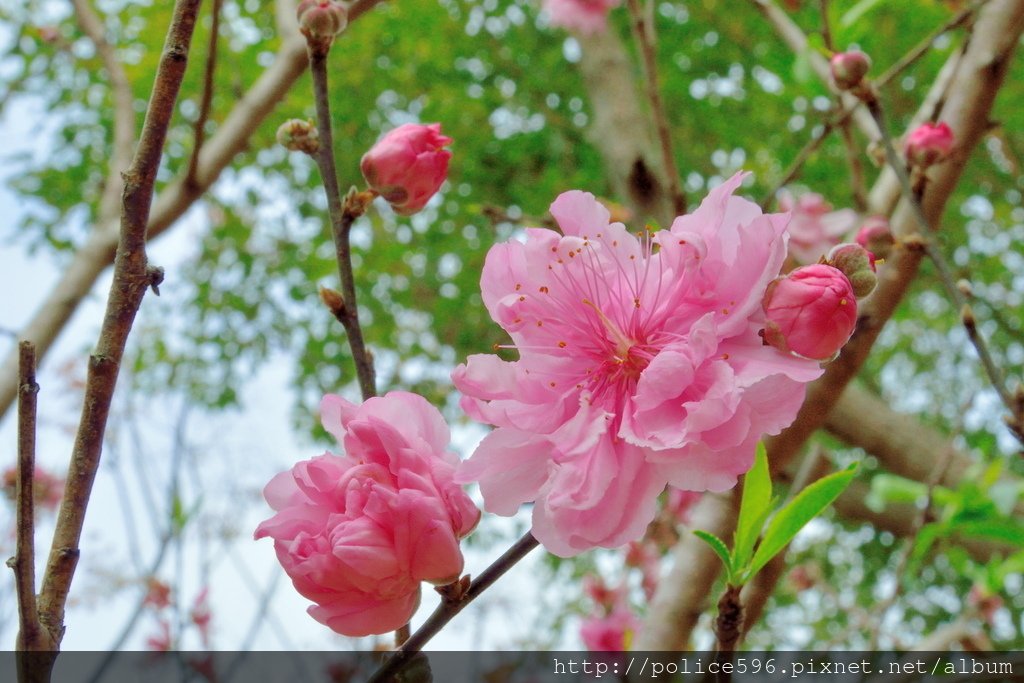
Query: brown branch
column 1015, row 419
column 124, row 109
column 629, row 159
column 132, row 277
column 451, row 605
column 342, row 217
column 643, row 31
column 30, row 636
column 207, row 97
column 175, row 199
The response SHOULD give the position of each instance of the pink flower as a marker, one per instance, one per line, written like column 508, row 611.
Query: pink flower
column 585, row 16
column 408, row 165
column 357, row 533
column 814, row 227
column 161, row 641
column 598, row 591
column 639, row 365
column 158, row 594
column 611, row 633
column 929, row 143
column 201, row 616
column 812, row 312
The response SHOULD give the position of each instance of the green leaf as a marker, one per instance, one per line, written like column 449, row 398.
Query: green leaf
column 754, row 508
column 807, row 505
column 718, row 545
column 891, row 488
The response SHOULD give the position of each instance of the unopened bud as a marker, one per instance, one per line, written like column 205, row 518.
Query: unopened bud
column 967, row 317
column 299, row 136
column 929, row 144
column 857, row 264
column 965, row 287
column 321, row 20
column 876, row 237
column 333, row 300
column 849, row 68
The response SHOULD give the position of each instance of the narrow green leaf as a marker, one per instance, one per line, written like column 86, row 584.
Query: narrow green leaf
column 718, row 545
column 754, row 507
column 807, row 505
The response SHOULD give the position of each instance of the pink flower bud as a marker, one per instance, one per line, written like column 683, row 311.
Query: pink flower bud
column 876, row 237
column 810, row 312
column 857, row 264
column 849, row 68
column 929, row 144
column 598, row 591
column 357, row 533
column 408, row 165
column 321, row 20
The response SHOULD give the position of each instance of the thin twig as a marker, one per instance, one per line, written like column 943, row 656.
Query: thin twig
column 449, row 608
column 132, row 277
column 207, row 97
column 945, row 273
column 826, row 33
column 908, row 548
column 24, row 561
column 342, row 218
column 842, row 118
column 643, row 30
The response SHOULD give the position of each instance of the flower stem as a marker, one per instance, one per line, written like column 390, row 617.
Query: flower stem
column 449, row 608
column 342, row 217
column 945, row 273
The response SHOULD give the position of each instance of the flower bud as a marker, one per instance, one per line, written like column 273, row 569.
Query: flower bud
column 876, row 237
column 321, row 20
column 408, row 165
column 810, row 312
column 857, row 264
column 849, row 68
column 929, row 144
column 299, row 136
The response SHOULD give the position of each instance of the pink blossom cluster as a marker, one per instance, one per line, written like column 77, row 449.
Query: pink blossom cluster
column 583, row 16
column 357, row 533
column 640, row 365
column 814, row 227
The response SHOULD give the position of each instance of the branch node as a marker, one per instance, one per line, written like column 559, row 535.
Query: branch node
column 156, row 277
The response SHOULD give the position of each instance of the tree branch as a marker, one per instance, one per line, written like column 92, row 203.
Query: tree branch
column 207, row 97
column 132, row 277
column 342, row 217
column 452, row 605
column 611, row 88
column 643, row 31
column 30, row 636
